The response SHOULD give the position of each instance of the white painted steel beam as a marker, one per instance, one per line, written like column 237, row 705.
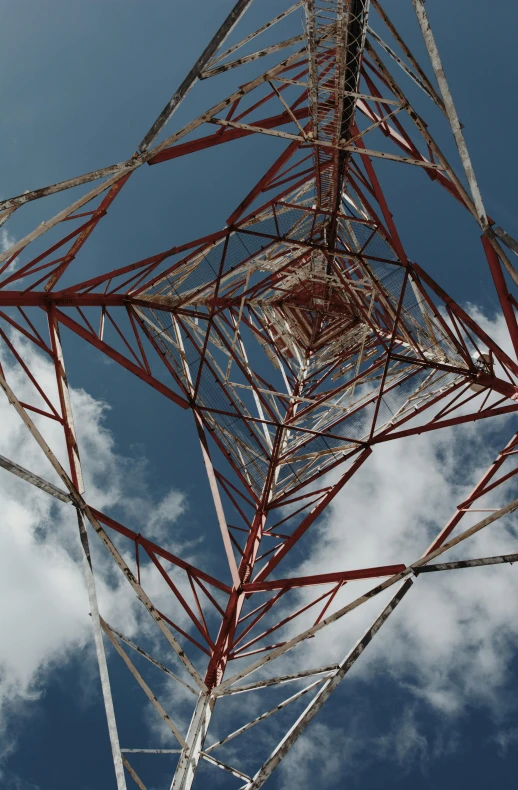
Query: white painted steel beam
column 451, row 112
column 118, row 760
column 194, row 74
column 35, row 480
column 325, row 692
column 191, row 755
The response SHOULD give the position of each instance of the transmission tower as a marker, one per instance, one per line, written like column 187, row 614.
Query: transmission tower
column 296, row 339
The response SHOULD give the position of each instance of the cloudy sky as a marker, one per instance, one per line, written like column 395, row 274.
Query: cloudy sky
column 433, row 700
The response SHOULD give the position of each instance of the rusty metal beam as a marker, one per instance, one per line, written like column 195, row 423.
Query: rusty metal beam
column 195, row 73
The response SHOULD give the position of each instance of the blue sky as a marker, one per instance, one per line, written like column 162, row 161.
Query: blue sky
column 82, row 83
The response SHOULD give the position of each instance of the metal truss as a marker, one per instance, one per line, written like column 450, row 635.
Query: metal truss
column 299, row 337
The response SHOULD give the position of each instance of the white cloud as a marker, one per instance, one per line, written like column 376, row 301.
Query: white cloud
column 451, row 644
column 454, row 635
column 44, row 619
column 451, row 641
column 171, row 508
column 333, row 752
column 298, row 770
column 6, row 240
column 506, row 738
column 158, row 520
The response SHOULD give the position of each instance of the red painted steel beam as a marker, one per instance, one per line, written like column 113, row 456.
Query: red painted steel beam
column 435, row 426
column 28, row 267
column 126, row 363
column 154, row 548
column 142, row 264
column 263, row 182
column 98, row 214
column 311, row 517
column 44, row 299
column 323, row 578
column 479, row 490
column 210, row 140
column 466, row 319
column 64, row 399
column 502, row 291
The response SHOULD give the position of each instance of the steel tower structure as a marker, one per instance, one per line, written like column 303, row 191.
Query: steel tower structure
column 298, row 338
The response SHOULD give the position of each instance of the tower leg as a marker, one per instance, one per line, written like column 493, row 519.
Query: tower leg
column 190, row 757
